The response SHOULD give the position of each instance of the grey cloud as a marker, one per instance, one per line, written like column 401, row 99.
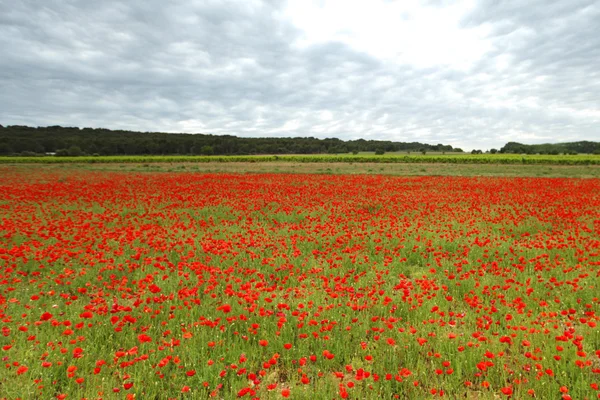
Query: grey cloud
column 552, row 49
column 233, row 67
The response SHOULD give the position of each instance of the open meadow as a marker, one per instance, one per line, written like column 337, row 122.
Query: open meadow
column 188, row 283
column 387, row 158
column 336, row 168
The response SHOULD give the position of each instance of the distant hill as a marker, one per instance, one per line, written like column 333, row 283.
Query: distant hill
column 552, row 148
column 17, row 139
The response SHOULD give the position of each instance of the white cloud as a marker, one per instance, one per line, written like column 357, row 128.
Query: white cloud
column 406, row 32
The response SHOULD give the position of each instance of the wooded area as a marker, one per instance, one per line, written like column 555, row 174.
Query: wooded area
column 75, row 141
column 583, row 147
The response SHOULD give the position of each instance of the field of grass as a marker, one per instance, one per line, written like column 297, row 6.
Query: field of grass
column 449, row 158
column 399, row 169
column 156, row 284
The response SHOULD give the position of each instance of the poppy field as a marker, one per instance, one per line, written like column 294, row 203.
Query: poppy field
column 155, row 285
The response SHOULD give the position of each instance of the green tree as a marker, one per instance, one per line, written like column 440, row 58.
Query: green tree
column 75, row 151
column 207, row 150
column 5, row 149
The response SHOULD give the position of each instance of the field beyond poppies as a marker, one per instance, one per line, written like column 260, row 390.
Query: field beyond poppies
column 155, row 285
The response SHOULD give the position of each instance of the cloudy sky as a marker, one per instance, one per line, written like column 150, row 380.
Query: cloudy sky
column 473, row 74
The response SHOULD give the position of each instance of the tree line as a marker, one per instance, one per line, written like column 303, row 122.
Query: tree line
column 74, row 141
column 585, row 147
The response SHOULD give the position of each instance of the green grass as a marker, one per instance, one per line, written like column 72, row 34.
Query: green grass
column 454, row 158
column 363, row 168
